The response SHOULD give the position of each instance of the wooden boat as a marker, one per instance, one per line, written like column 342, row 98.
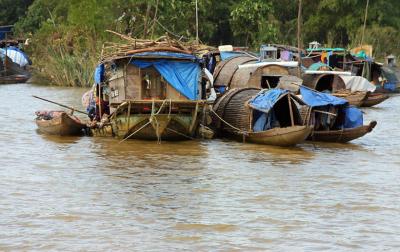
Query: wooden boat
column 355, row 98
column 157, row 119
column 374, row 99
column 236, row 117
column 332, row 118
column 11, row 73
column 59, row 123
column 11, row 79
column 154, row 92
column 244, row 71
column 341, row 136
column 335, row 85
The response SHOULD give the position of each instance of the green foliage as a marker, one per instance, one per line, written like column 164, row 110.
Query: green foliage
column 67, row 34
column 250, row 21
column 11, row 10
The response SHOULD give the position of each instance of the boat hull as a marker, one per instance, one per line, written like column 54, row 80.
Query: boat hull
column 341, row 136
column 288, row 136
column 355, row 99
column 13, row 79
column 157, row 119
column 157, row 127
column 374, row 99
column 62, row 125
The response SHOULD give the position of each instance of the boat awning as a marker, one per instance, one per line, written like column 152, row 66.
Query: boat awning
column 230, row 54
column 266, row 99
column 327, row 72
column 268, row 63
column 357, row 83
column 315, row 99
column 16, row 55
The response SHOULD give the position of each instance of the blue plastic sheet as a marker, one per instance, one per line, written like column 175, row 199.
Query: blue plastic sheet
column 229, row 54
column 353, row 117
column 265, row 121
column 99, row 74
column 316, row 99
column 4, row 30
column 16, row 55
column 317, row 66
column 182, row 75
column 266, row 99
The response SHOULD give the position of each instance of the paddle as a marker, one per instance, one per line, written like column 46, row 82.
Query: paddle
column 59, row 104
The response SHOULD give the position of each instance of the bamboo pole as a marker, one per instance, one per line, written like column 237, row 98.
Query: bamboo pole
column 299, row 37
column 59, row 104
column 100, row 101
column 197, row 22
column 365, row 23
column 290, row 110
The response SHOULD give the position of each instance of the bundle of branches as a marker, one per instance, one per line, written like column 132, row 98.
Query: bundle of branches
column 112, row 50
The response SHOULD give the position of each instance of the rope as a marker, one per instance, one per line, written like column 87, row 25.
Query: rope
column 135, row 132
column 230, row 125
column 191, row 138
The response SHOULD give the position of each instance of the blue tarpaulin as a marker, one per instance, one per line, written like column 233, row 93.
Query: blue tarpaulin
column 16, row 55
column 315, row 99
column 229, row 54
column 266, row 99
column 99, row 74
column 353, row 117
column 182, row 75
column 4, row 30
column 317, row 66
column 265, row 121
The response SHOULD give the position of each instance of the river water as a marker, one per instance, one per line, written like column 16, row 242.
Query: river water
column 94, row 194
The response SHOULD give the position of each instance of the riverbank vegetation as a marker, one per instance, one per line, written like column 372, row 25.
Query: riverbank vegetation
column 67, row 36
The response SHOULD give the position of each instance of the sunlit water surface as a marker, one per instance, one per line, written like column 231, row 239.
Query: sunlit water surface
column 94, row 194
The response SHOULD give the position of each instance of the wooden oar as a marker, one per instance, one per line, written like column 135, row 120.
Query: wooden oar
column 59, row 104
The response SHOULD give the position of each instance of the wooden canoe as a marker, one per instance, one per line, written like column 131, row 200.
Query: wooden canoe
column 12, row 79
column 234, row 120
column 374, row 99
column 341, row 136
column 355, row 99
column 288, row 136
column 61, row 124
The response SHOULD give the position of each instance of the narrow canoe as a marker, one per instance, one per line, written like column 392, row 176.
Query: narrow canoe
column 341, row 136
column 61, row 124
column 374, row 99
column 11, row 79
column 355, row 99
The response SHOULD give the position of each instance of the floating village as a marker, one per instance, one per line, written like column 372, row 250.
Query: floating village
column 168, row 90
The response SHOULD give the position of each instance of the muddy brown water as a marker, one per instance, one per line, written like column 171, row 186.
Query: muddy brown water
column 94, row 194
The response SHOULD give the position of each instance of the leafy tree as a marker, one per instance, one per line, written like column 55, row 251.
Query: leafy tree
column 11, row 10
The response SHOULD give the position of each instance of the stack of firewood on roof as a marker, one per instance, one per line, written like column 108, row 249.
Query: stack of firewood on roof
column 112, row 50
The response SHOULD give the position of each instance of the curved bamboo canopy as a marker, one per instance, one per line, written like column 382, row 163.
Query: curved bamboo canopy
column 321, row 82
column 229, row 74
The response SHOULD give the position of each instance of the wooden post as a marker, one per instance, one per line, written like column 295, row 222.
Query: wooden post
column 365, row 23
column 100, row 102
column 299, row 38
column 290, row 110
column 197, row 22
column 129, row 116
